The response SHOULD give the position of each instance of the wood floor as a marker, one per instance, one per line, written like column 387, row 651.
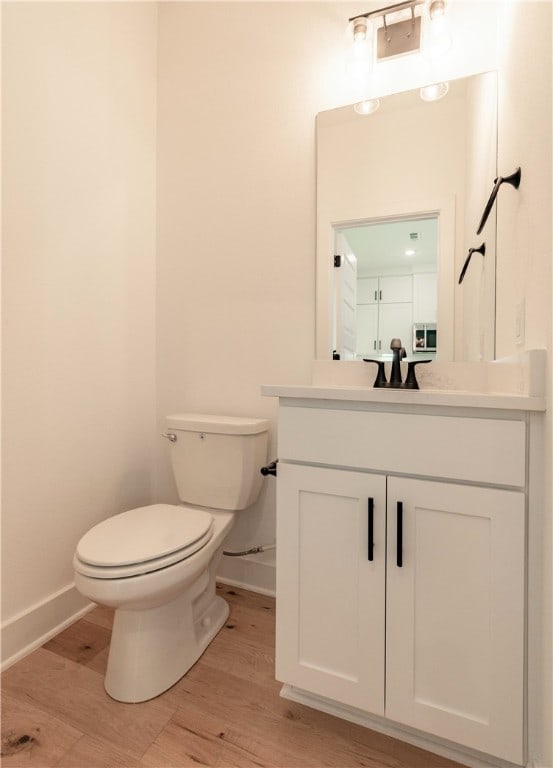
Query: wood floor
column 225, row 712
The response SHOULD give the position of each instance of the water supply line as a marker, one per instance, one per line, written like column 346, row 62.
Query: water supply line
column 252, row 551
column 270, row 469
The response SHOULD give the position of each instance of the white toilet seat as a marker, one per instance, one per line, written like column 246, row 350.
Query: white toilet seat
column 142, row 540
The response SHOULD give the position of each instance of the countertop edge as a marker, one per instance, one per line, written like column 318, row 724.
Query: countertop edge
column 453, row 398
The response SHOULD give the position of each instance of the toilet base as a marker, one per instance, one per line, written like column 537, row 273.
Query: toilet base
column 152, row 649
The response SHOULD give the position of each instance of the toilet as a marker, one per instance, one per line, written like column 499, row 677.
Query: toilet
column 156, row 565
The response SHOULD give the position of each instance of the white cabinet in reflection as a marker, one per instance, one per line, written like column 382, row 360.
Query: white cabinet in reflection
column 425, row 294
column 384, row 312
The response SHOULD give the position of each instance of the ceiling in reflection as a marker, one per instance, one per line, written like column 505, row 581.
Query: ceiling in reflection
column 381, row 247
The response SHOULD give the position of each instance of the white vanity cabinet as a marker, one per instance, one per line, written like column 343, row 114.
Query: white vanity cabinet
column 331, row 589
column 401, row 569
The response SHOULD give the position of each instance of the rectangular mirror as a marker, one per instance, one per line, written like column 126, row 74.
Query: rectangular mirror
column 400, row 193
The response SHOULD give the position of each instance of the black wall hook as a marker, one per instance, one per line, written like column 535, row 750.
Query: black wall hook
column 481, row 249
column 513, row 180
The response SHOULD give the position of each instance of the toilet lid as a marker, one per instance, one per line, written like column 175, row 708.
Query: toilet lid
column 145, row 534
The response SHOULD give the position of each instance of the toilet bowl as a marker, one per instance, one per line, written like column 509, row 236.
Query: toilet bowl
column 156, row 565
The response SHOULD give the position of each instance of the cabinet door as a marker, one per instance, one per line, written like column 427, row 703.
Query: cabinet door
column 367, row 330
column 395, row 288
column 455, row 614
column 395, row 321
column 367, row 290
column 425, row 297
column 330, row 605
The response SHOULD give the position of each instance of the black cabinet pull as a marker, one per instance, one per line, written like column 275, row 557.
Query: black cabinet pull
column 399, row 551
column 370, row 514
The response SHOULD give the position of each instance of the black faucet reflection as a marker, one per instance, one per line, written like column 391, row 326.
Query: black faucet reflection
column 398, row 353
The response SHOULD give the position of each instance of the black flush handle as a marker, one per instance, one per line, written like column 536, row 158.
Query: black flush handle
column 513, row 180
column 481, row 249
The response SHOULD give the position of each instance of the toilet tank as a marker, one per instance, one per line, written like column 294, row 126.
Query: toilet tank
column 216, row 460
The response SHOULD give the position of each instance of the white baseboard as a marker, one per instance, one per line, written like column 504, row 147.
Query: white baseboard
column 33, row 627
column 254, row 572
column 449, row 750
column 243, row 585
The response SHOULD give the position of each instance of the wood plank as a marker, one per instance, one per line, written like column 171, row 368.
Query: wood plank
column 102, row 616
column 253, row 714
column 184, row 741
column 76, row 695
column 92, row 752
column 32, row 737
column 236, row 596
column 80, row 642
column 245, row 659
column 195, row 736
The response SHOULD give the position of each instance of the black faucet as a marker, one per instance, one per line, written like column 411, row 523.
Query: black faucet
column 398, row 353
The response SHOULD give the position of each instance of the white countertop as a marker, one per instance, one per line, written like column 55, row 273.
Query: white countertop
column 512, row 383
column 367, row 394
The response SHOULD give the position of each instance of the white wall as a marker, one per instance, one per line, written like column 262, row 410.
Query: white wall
column 239, row 87
column 524, row 274
column 78, row 289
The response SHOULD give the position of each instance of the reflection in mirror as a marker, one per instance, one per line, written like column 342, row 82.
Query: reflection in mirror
column 412, row 167
column 386, row 287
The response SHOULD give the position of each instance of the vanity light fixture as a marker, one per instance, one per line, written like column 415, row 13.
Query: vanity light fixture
column 398, row 29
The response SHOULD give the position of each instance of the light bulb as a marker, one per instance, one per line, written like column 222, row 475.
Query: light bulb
column 437, row 36
column 434, row 92
column 359, row 28
column 367, row 107
column 436, row 8
column 360, row 55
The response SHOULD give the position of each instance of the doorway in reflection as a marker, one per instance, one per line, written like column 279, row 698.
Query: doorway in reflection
column 385, row 286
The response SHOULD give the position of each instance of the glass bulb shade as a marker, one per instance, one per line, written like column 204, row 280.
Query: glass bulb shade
column 434, row 92
column 360, row 28
column 436, row 9
column 437, row 37
column 360, row 60
column 367, row 107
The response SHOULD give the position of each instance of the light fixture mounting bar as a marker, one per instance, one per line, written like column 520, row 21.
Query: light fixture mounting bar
column 400, row 37
column 397, row 39
column 389, row 9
